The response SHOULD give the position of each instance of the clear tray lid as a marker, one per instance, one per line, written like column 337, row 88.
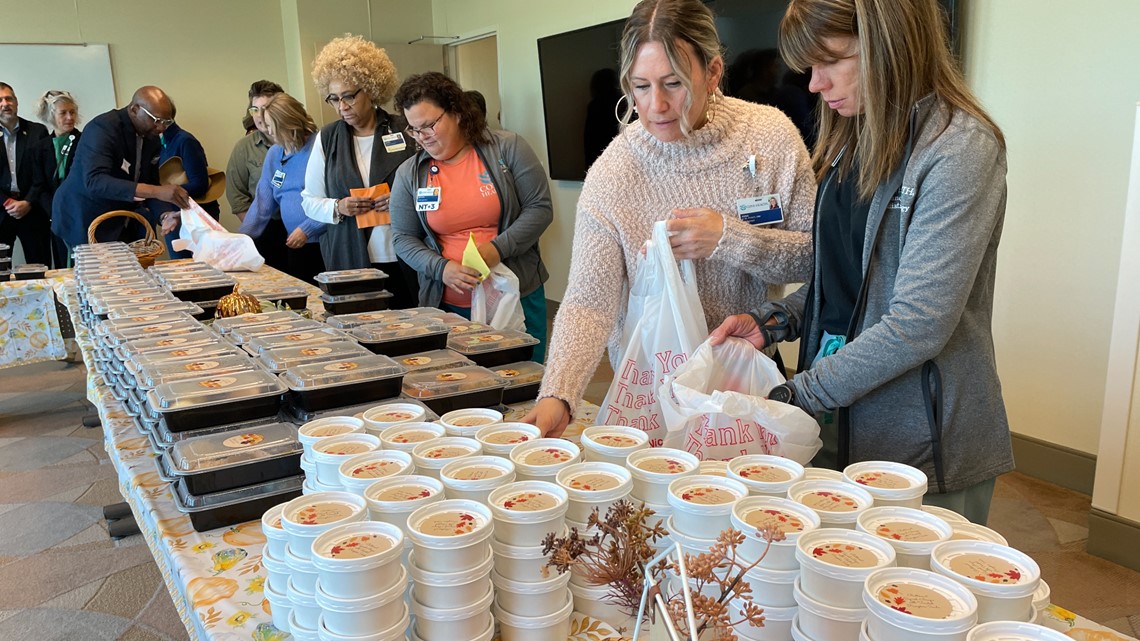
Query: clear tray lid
column 450, row 382
column 155, row 357
column 181, row 266
column 398, row 330
column 142, row 320
column 277, row 291
column 204, row 283
column 429, row 312
column 199, row 338
column 123, row 288
column 350, row 276
column 188, row 503
column 433, row 360
column 261, row 344
column 157, row 307
column 344, row 371
column 492, row 341
column 106, row 304
column 464, row 326
column 521, row 373
column 166, row 439
column 240, row 335
column 214, row 390
column 226, row 325
column 30, row 267
column 353, row 298
column 233, row 449
column 153, row 375
column 348, row 321
column 171, row 328
column 282, row 358
column 93, row 278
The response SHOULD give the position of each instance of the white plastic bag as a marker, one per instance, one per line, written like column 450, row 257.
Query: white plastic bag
column 212, row 244
column 496, row 300
column 714, row 406
column 664, row 324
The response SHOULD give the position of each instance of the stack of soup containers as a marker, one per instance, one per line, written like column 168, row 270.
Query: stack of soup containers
column 330, row 453
column 467, row 422
column 380, row 418
column 431, row 456
column 500, row 439
column 359, row 472
column 317, row 430
column 450, row 565
column 542, row 459
column 531, row 604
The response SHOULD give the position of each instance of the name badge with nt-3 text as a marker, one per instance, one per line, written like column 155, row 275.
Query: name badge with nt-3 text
column 427, row 199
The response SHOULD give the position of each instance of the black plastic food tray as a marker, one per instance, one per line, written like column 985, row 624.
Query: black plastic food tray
column 357, row 306
column 295, row 303
column 203, row 294
column 502, row 356
column 410, row 345
column 341, row 395
column 481, row 398
column 353, row 287
column 196, row 418
column 521, row 393
column 227, row 515
column 241, row 476
column 30, row 275
column 208, row 309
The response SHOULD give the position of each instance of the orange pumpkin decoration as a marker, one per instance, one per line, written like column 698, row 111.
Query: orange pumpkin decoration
column 265, row 606
column 210, row 590
column 236, row 304
column 175, row 527
column 244, row 534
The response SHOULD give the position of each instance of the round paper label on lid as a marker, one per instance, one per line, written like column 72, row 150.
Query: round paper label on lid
column 615, row 440
column 904, row 531
column 187, row 352
column 315, row 351
column 547, row 456
column 343, row 366
column 342, row 449
column 449, row 377
column 765, row 473
column 707, row 495
column 785, row 522
column 331, row 430
column 401, row 326
column 218, row 383
column 360, row 546
column 507, row 438
column 507, row 373
column 303, row 336
column 417, row 361
column 489, row 338
column 167, row 342
column 404, row 493
column 477, row 473
column 662, row 465
column 532, row 501
column 828, row 501
column 845, row 555
column 448, row 524
column 447, row 451
column 883, row 480
column 243, row 440
column 594, row 481
column 916, row 600
column 273, row 328
column 393, row 416
column 983, row 567
column 413, row 436
column 320, row 513
column 275, row 523
column 201, row 366
column 377, row 469
column 472, row 421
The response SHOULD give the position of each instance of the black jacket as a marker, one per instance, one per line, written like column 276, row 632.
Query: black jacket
column 27, row 136
column 45, row 177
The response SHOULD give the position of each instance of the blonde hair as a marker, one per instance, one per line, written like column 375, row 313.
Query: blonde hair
column 669, row 22
column 354, row 60
column 50, row 102
column 903, row 56
column 292, row 125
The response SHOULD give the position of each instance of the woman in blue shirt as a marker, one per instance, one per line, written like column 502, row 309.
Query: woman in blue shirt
column 279, row 190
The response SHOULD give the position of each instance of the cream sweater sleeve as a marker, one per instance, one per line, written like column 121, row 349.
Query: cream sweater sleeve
column 589, row 310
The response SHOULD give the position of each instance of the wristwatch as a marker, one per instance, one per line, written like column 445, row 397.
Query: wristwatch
column 783, row 394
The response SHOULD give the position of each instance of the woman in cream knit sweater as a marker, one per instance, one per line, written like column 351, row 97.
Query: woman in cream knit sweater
column 687, row 159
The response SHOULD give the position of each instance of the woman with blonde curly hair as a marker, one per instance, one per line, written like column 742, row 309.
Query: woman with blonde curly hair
column 52, row 157
column 362, row 149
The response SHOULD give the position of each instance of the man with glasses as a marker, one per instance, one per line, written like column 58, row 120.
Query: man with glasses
column 20, row 215
column 116, row 167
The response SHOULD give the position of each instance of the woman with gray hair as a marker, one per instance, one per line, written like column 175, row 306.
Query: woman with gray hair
column 52, row 158
column 361, row 150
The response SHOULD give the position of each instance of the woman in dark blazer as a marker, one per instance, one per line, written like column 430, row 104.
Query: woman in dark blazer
column 52, row 157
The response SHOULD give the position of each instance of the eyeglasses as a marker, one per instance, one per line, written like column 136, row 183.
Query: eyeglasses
column 429, row 128
column 253, row 111
column 348, row 99
column 164, row 122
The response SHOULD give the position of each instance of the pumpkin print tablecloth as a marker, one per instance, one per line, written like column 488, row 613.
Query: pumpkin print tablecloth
column 29, row 328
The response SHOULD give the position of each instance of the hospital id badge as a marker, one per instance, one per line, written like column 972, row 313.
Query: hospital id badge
column 427, row 199
column 760, row 210
column 394, row 143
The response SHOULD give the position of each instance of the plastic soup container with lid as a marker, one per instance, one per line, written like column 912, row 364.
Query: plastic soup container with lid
column 358, row 617
column 1041, row 599
column 1002, row 579
column 307, row 517
column 329, row 453
column 822, row 621
column 764, row 474
column 467, row 422
column 538, row 598
column 702, row 504
column 313, row 431
column 524, row 563
column 279, row 606
column 451, row 535
column 526, row 511
column 475, row 477
column 552, row 627
column 302, row 573
column 777, row 623
column 834, row 563
column 431, row 456
column 752, row 513
column 275, row 536
column 394, row 632
column 653, row 469
column 822, row 474
column 393, row 499
column 381, row 417
column 905, row 604
column 1014, row 631
column 446, row 590
column 407, row 436
column 912, row 533
column 891, row 484
column 438, row 624
column 950, row 516
column 838, row 503
column 306, row 614
column 542, row 459
column 276, row 571
column 612, row 443
column 499, row 440
column 593, row 486
column 973, row 532
column 360, row 472
column 593, row 601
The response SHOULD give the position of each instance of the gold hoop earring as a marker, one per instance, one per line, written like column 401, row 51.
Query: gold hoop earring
column 711, row 107
column 618, row 112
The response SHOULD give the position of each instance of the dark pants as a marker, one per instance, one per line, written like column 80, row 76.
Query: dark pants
column 304, row 263
column 34, row 232
column 403, row 282
column 271, row 245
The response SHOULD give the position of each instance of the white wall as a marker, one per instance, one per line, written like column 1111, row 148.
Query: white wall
column 1061, row 81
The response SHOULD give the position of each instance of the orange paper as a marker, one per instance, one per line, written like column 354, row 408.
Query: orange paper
column 376, row 216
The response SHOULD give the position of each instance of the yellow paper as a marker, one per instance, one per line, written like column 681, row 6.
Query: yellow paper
column 473, row 259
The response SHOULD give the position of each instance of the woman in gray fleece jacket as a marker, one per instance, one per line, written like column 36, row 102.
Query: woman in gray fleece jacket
column 895, row 325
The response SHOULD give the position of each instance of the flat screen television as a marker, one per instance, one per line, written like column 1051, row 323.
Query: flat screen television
column 579, row 72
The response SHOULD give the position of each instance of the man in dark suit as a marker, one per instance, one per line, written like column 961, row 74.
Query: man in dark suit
column 21, row 217
column 116, row 167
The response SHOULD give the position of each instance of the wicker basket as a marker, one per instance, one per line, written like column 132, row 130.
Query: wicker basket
column 146, row 250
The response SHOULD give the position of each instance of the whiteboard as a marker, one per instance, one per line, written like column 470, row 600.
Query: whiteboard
column 82, row 69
